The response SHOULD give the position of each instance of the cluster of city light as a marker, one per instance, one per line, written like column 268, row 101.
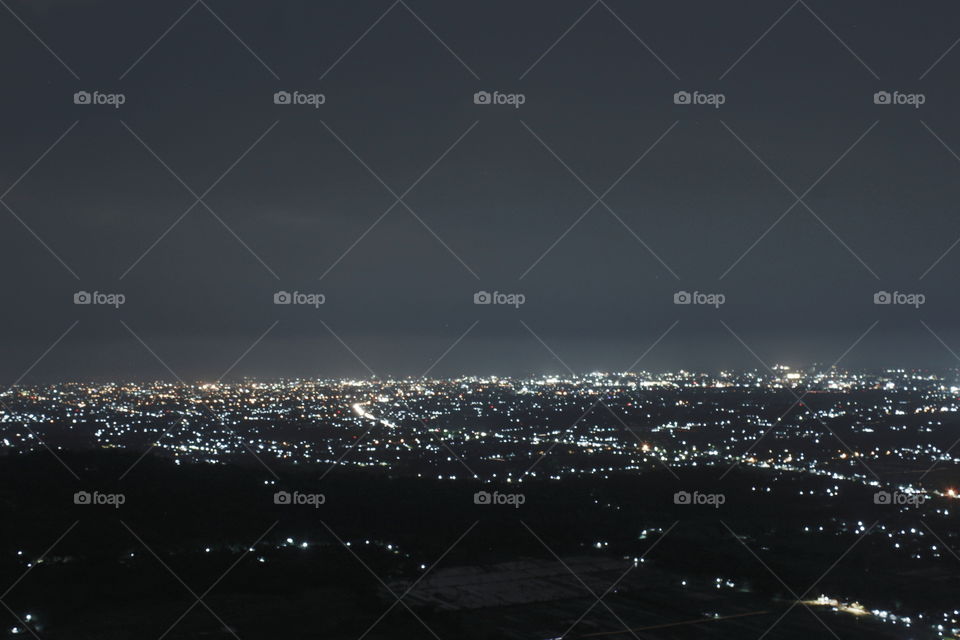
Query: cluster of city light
column 635, row 420
column 946, row 628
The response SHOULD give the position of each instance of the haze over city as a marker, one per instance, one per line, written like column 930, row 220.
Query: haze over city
column 524, row 321
column 495, row 197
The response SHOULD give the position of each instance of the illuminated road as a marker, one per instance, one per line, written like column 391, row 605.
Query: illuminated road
column 363, row 413
column 674, row 624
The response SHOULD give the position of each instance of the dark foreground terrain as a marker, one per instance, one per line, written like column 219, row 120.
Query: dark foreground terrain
column 205, row 551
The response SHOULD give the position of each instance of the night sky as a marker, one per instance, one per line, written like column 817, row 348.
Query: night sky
column 297, row 198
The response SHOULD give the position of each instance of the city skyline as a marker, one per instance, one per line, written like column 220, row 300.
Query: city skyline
column 817, row 463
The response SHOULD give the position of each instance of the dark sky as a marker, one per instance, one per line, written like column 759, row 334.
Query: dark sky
column 801, row 98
